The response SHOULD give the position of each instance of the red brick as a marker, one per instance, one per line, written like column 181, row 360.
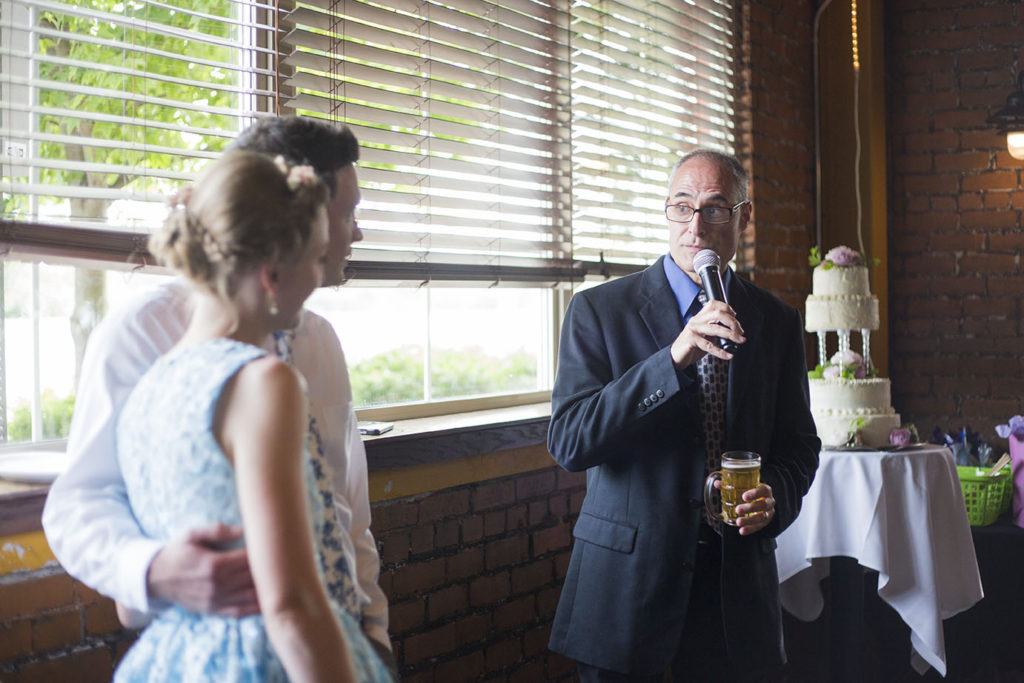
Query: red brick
column 506, row 552
column 535, row 641
column 85, row 595
column 994, row 180
column 406, row 616
column 488, row 496
column 503, row 654
column 35, row 593
column 432, row 643
column 15, row 639
column 467, row 563
column 990, row 220
column 515, row 614
column 56, row 630
column 494, row 523
column 549, row 540
column 446, row 533
column 449, row 503
column 419, row 577
column 547, row 601
column 81, row 666
column 390, row 515
column 529, row 672
column 466, row 668
column 515, row 518
column 988, row 263
column 421, row 540
column 447, row 601
column 571, row 480
column 559, row 504
column 394, row 547
column 472, row 529
column 101, row 618
column 473, row 629
column 532, row 576
column 488, row 590
column 535, row 484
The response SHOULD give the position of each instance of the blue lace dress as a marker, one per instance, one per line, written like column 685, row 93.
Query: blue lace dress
column 178, row 479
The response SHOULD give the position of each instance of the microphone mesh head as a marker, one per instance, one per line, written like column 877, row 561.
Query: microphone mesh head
column 705, row 258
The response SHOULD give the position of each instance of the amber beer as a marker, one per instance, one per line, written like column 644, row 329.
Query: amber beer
column 741, row 471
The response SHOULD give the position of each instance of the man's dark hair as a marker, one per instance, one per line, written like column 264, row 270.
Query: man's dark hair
column 326, row 146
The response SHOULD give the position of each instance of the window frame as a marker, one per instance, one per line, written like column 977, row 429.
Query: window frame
column 113, row 249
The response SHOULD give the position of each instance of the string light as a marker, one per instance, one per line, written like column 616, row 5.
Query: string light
column 853, row 33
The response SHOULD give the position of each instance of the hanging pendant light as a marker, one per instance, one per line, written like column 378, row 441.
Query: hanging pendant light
column 1010, row 120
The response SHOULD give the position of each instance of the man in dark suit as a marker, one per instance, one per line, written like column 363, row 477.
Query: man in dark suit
column 651, row 587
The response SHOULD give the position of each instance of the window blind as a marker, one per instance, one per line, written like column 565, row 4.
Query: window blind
column 462, row 110
column 510, row 138
column 107, row 107
column 650, row 80
column 503, row 141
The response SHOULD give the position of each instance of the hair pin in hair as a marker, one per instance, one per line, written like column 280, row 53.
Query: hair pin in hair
column 296, row 176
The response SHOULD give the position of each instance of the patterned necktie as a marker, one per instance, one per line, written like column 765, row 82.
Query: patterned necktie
column 333, row 564
column 714, row 375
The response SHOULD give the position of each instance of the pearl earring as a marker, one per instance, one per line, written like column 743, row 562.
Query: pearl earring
column 271, row 302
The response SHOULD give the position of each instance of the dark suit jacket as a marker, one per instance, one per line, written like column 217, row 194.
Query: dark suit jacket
column 622, row 412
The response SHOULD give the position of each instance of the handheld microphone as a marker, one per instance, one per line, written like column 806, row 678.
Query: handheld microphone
column 707, row 264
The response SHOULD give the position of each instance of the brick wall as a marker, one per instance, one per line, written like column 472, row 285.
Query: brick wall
column 956, row 216
column 53, row 628
column 473, row 575
column 777, row 134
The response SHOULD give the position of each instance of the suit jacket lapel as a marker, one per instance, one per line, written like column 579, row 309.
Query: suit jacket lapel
column 743, row 367
column 658, row 307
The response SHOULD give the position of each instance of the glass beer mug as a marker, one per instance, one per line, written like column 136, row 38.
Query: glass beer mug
column 740, row 471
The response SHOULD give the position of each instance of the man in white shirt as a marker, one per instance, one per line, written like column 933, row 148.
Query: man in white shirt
column 88, row 521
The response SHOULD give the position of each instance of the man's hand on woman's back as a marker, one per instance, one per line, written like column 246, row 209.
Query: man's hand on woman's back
column 203, row 572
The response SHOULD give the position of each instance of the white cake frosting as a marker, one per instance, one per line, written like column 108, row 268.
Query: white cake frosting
column 840, row 406
column 841, row 300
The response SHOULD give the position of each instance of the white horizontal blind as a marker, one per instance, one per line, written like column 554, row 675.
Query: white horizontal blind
column 651, row 79
column 108, row 106
column 462, row 111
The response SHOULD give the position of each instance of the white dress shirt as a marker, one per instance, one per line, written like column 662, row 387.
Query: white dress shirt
column 87, row 519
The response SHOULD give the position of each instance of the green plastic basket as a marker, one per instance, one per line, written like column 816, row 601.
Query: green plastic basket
column 985, row 497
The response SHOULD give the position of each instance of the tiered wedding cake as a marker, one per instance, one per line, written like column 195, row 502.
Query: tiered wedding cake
column 849, row 404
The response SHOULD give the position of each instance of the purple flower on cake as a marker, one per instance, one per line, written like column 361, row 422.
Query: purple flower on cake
column 843, row 256
column 1015, row 427
column 899, row 437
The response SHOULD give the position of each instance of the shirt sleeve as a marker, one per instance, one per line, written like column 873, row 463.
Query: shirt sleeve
column 319, row 356
column 87, row 519
column 375, row 614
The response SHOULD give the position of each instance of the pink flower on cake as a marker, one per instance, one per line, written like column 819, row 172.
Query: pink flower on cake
column 844, row 256
column 899, row 437
column 831, row 372
column 846, row 357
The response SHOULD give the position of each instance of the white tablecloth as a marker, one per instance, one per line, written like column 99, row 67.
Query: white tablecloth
column 899, row 513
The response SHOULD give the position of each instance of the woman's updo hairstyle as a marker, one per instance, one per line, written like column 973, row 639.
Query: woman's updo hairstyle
column 245, row 210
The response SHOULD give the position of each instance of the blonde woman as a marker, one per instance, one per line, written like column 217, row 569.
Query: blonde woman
column 215, row 433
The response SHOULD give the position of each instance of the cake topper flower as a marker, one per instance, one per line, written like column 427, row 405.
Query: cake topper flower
column 904, row 436
column 843, row 365
column 841, row 256
column 1014, row 427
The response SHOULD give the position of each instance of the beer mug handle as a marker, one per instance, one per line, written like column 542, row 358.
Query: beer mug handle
column 709, row 490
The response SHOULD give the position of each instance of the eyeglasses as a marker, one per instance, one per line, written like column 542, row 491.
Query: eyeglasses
column 681, row 213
